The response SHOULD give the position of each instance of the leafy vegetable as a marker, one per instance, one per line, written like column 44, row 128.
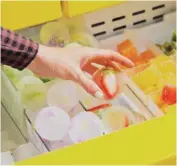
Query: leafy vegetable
column 174, row 36
column 33, row 92
column 45, row 80
column 169, row 48
column 15, row 75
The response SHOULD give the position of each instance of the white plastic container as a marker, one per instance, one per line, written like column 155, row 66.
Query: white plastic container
column 116, row 118
column 52, row 123
column 85, row 126
column 63, row 94
column 33, row 92
column 6, row 158
column 25, row 151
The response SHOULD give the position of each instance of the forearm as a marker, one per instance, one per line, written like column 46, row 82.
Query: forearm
column 16, row 50
column 42, row 50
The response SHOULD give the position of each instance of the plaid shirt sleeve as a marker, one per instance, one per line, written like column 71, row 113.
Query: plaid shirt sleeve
column 16, row 50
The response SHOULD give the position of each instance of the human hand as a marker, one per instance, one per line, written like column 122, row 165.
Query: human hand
column 70, row 64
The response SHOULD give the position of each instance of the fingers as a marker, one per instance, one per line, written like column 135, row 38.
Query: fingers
column 89, row 68
column 107, row 63
column 89, row 85
column 113, row 65
column 99, row 55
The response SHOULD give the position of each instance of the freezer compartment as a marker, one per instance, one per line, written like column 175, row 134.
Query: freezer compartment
column 142, row 130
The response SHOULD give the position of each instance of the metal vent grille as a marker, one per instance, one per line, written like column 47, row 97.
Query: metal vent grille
column 114, row 20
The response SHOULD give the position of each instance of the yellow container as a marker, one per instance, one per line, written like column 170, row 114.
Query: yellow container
column 153, row 142
column 21, row 14
column 73, row 8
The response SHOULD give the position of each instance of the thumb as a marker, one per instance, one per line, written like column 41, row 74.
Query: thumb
column 89, row 85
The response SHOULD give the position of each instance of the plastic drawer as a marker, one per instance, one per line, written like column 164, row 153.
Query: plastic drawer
column 21, row 14
column 153, row 142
